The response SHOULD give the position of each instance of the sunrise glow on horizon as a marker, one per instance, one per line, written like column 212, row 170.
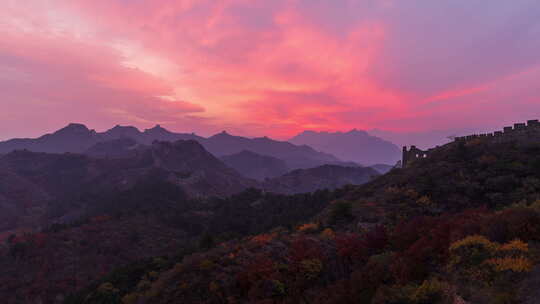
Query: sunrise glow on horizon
column 274, row 67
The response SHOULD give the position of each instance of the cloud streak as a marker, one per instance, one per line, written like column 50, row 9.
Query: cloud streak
column 269, row 67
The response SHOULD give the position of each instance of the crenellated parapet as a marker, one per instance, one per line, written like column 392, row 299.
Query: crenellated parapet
column 516, row 132
column 522, row 132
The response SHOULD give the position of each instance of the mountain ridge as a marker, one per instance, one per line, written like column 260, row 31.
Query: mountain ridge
column 413, row 229
column 256, row 166
column 435, row 231
column 328, row 177
column 355, row 145
column 77, row 138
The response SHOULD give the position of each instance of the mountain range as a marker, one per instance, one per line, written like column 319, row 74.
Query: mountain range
column 355, row 145
column 77, row 138
column 39, row 188
column 459, row 226
column 137, row 226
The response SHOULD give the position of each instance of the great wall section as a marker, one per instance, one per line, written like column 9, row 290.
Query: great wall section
column 529, row 131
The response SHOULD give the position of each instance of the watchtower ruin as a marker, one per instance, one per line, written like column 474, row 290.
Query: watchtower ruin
column 412, row 154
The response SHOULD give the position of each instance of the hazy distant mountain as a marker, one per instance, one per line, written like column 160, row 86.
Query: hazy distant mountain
column 114, row 148
column 355, row 145
column 119, row 132
column 323, row 177
column 295, row 156
column 162, row 134
column 147, row 136
column 77, row 138
column 255, row 166
column 382, row 168
column 72, row 138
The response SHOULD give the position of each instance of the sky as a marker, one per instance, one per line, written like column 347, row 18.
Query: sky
column 272, row 67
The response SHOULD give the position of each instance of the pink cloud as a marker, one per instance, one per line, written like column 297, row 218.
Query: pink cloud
column 268, row 67
column 51, row 79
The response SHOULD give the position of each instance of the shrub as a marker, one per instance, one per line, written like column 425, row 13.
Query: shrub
column 513, row 223
column 394, row 295
column 535, row 205
column 424, row 201
column 311, row 268
column 351, row 248
column 130, row 298
column 515, row 264
column 263, row 238
column 303, row 248
column 260, row 268
column 340, row 211
column 206, row 265
column 328, row 234
column 144, row 285
column 279, row 289
column 515, row 246
column 431, row 291
column 477, row 259
column 376, row 239
column 308, row 228
column 106, row 293
column 213, row 287
column 474, row 241
column 406, row 269
column 468, row 257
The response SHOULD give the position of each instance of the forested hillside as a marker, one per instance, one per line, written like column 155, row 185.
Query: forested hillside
column 152, row 219
column 459, row 227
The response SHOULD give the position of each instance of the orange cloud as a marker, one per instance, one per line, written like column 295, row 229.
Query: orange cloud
column 260, row 67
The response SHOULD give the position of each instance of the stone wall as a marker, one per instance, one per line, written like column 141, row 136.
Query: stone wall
column 520, row 131
column 523, row 132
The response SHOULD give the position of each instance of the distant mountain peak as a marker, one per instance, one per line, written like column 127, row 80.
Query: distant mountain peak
column 354, row 131
column 74, row 130
column 220, row 144
column 254, row 165
column 119, row 127
column 359, row 132
column 354, row 145
column 123, row 129
column 222, row 134
column 157, row 129
column 76, row 125
column 307, row 132
column 73, row 127
column 119, row 131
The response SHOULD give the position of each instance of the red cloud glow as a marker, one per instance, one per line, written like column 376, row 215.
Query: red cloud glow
column 266, row 67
